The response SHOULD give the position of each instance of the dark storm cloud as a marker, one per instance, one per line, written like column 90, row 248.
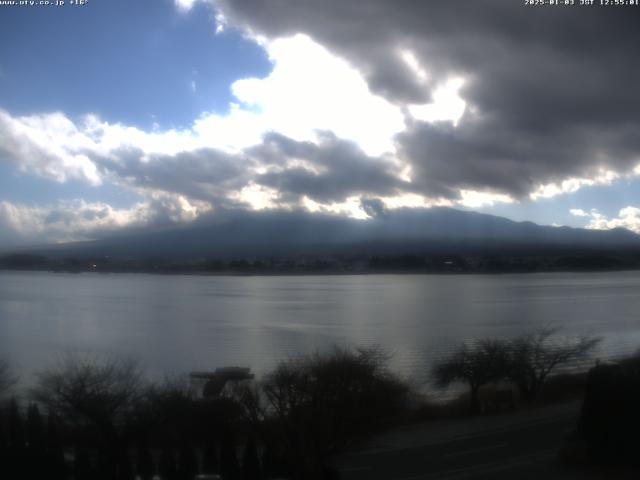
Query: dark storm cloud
column 552, row 91
column 329, row 171
column 205, row 174
column 339, row 169
column 491, row 154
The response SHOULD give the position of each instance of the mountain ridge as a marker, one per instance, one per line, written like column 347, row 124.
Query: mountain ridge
column 438, row 230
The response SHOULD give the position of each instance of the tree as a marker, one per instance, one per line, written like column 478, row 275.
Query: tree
column 144, row 462
column 250, row 461
column 167, row 467
column 321, row 402
column 272, row 462
column 16, row 425
column 100, row 393
column 82, row 465
column 35, row 452
column 533, row 356
column 7, row 379
column 210, row 457
column 164, row 411
column 229, row 467
column 17, row 462
column 477, row 364
column 56, row 467
column 187, row 462
column 35, row 428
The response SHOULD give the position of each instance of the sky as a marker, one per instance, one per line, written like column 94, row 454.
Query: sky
column 120, row 116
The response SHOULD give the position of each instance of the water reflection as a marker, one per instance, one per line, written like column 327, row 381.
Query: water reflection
column 179, row 323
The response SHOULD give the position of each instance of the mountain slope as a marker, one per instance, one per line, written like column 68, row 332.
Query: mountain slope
column 435, row 231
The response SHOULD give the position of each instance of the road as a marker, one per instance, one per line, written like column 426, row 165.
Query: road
column 522, row 446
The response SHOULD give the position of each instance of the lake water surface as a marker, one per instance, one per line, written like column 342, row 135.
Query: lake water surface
column 180, row 323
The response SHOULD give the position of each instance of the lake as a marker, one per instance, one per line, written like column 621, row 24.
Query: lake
column 176, row 323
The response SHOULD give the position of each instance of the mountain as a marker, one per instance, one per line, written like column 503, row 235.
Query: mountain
column 426, row 231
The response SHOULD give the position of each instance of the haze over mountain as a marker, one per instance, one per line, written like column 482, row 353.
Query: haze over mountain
column 428, row 231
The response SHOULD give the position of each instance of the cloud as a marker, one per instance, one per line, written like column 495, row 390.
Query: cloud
column 373, row 207
column 535, row 85
column 310, row 89
column 412, row 104
column 309, row 97
column 628, row 217
column 80, row 220
column 329, row 170
column 48, row 145
column 578, row 212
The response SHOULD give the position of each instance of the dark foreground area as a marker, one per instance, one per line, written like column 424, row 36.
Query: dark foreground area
column 530, row 444
column 514, row 445
column 338, row 414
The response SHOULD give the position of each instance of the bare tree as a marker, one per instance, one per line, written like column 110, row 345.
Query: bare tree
column 7, row 379
column 533, row 356
column 90, row 390
column 476, row 364
column 321, row 402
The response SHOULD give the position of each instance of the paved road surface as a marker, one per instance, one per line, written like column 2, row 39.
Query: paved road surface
column 517, row 446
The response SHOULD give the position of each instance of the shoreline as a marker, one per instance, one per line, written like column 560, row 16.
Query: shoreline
column 337, row 273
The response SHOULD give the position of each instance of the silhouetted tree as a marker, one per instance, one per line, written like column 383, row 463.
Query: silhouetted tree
column 101, row 392
column 35, row 428
column 250, row 461
column 107, row 467
column 15, row 451
column 187, row 462
column 36, row 458
column 16, row 425
column 165, row 410
column 228, row 459
column 124, row 468
column 55, row 454
column 476, row 364
column 321, row 402
column 7, row 379
column 167, row 467
column 144, row 463
column 3, row 441
column 270, row 462
column 90, row 391
column 210, row 460
column 52, row 435
column 533, row 356
column 82, row 465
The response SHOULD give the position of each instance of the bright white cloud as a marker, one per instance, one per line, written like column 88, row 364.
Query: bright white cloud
column 570, row 185
column 413, row 200
column 80, row 220
column 414, row 64
column 351, row 207
column 47, row 145
column 258, row 197
column 578, row 212
column 69, row 220
column 628, row 217
column 310, row 89
column 447, row 105
column 474, row 199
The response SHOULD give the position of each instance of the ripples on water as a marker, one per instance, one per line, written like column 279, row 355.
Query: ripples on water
column 180, row 323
